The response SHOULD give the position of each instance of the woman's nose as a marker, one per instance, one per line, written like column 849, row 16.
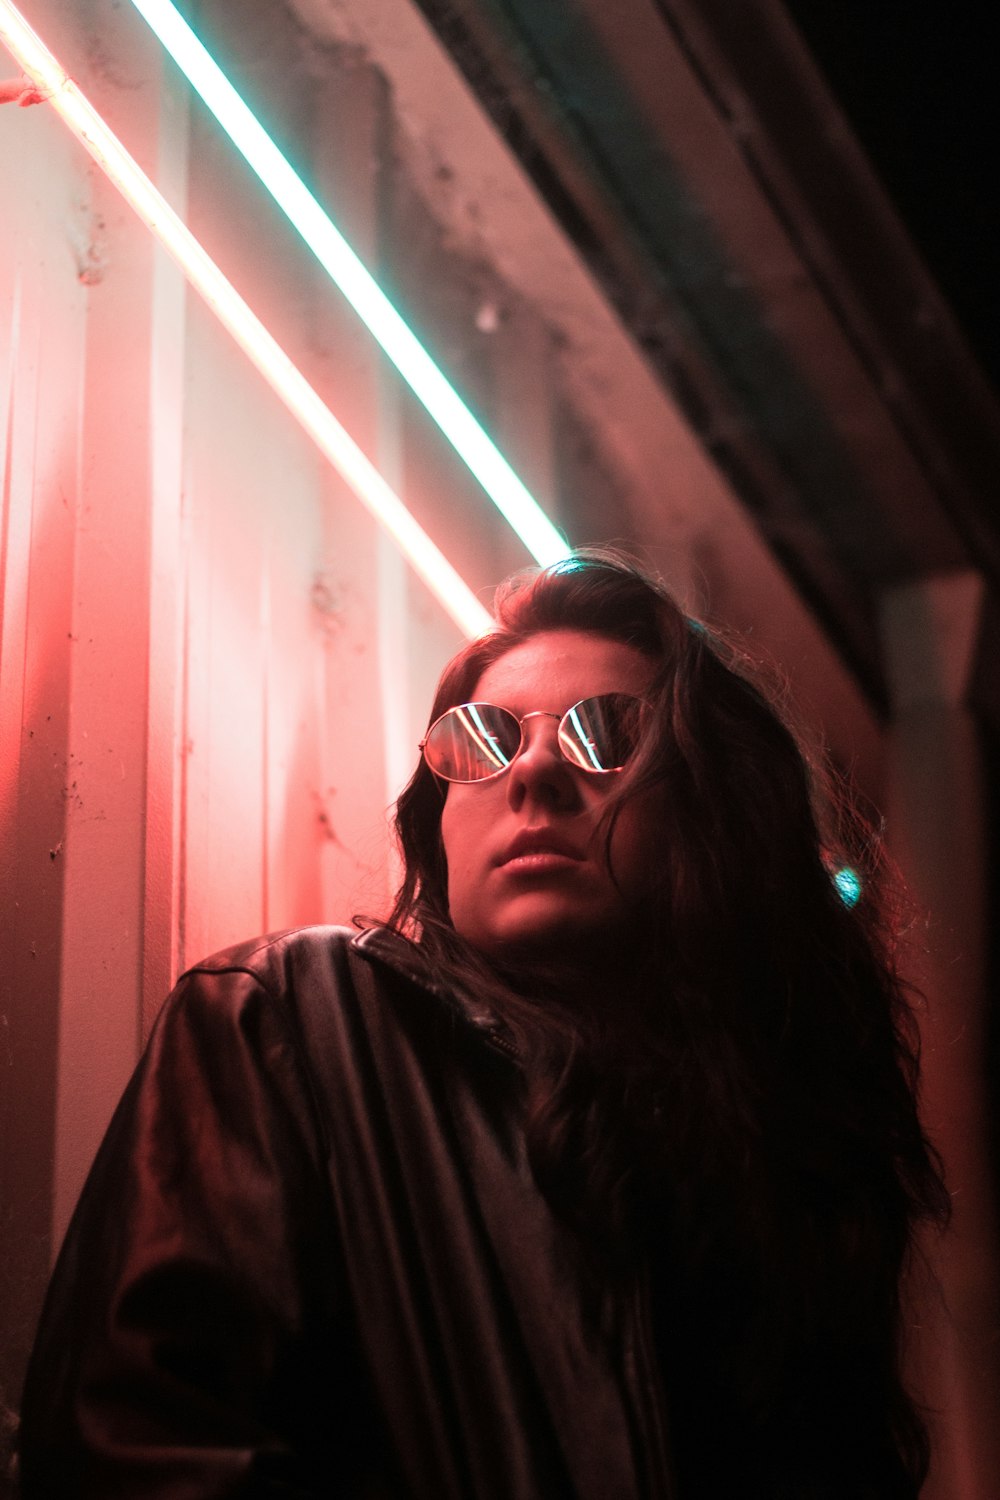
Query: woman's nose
column 539, row 771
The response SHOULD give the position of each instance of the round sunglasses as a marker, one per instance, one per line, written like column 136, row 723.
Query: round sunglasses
column 477, row 741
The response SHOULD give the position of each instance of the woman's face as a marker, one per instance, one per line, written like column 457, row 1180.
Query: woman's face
column 527, row 869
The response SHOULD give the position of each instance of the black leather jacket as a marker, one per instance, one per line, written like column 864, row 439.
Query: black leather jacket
column 310, row 1261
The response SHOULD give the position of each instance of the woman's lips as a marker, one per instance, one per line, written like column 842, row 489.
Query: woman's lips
column 541, row 863
column 540, row 848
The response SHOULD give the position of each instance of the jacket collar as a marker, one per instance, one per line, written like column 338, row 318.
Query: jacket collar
column 383, row 946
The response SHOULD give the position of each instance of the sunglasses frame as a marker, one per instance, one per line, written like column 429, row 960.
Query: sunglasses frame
column 536, row 714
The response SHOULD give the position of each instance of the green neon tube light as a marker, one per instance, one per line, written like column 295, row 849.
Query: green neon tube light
column 284, row 378
column 429, row 385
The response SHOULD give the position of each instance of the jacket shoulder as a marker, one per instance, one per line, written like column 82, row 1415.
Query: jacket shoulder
column 281, row 974
column 261, row 955
column 315, row 956
column 312, row 969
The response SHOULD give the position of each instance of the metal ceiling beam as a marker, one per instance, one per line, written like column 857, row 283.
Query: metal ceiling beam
column 695, row 157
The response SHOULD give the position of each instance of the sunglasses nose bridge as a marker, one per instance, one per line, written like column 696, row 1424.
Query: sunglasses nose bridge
column 528, row 738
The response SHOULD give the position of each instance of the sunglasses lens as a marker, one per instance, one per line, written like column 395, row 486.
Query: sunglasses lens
column 600, row 734
column 472, row 741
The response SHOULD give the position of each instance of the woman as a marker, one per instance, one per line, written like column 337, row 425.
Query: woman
column 592, row 1172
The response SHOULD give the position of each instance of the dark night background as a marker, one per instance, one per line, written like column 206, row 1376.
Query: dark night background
column 919, row 85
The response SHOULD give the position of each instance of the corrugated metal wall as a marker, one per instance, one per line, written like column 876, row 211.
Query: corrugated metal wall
column 212, row 663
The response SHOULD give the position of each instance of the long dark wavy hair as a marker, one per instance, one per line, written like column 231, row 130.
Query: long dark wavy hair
column 746, row 1129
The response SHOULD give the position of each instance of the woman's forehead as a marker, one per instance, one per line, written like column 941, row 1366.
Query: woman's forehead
column 561, row 667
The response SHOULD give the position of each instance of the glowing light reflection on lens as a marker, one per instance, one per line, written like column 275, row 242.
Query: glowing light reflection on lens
column 480, row 736
column 583, row 740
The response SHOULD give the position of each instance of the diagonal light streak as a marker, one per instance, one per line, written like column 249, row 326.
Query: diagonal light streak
column 418, row 369
column 281, row 374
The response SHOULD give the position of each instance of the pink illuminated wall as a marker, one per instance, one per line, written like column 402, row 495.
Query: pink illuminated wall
column 213, row 665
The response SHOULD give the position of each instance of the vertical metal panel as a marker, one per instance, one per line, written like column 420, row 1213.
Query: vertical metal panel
column 935, row 808
column 227, row 452
column 350, row 795
column 41, row 343
column 106, row 750
column 167, row 583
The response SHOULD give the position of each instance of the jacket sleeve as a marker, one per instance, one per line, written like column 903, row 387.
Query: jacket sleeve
column 191, row 1343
